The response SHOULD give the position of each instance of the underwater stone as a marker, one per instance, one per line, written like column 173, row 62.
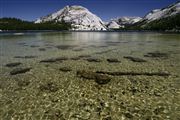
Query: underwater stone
column 23, row 83
column 93, row 60
column 33, row 46
column 19, row 71
column 156, row 55
column 128, row 115
column 65, row 69
column 25, row 57
column 75, row 58
column 84, row 56
column 86, row 74
column 54, row 59
column 113, row 60
column 48, row 60
column 107, row 118
column 135, row 59
column 99, row 78
column 61, row 58
column 50, row 86
column 42, row 49
column 102, row 79
column 65, row 47
column 13, row 64
column 79, row 49
column 159, row 110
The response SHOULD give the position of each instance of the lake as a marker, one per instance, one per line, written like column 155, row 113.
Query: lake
column 90, row 76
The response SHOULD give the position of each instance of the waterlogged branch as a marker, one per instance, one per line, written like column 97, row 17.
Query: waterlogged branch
column 134, row 73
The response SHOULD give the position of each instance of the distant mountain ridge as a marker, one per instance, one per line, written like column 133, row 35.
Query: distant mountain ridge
column 123, row 22
column 167, row 18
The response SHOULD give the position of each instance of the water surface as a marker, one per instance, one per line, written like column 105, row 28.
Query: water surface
column 53, row 89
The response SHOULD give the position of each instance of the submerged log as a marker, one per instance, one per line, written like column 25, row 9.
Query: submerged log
column 134, row 73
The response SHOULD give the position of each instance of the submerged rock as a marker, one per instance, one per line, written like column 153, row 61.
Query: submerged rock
column 102, row 79
column 102, row 46
column 75, row 58
column 48, row 60
column 78, row 49
column 65, row 47
column 19, row 71
column 113, row 60
column 128, row 115
column 93, row 60
column 21, row 43
column 159, row 110
column 33, row 46
column 84, row 56
column 42, row 49
column 107, row 118
column 110, row 43
column 65, row 69
column 135, row 59
column 156, row 55
column 50, row 86
column 99, row 78
column 106, row 51
column 60, row 59
column 86, row 74
column 25, row 57
column 13, row 64
column 23, row 83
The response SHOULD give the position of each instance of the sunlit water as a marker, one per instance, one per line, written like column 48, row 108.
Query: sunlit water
column 48, row 92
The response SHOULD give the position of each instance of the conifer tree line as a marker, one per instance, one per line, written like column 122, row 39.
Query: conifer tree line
column 18, row 24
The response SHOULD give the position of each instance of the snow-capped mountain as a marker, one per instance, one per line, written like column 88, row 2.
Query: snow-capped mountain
column 123, row 21
column 79, row 17
column 163, row 13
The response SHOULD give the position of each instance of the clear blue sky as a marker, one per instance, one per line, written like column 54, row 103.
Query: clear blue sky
column 106, row 9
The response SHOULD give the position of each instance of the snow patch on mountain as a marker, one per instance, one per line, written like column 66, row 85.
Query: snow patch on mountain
column 122, row 22
column 128, row 20
column 163, row 13
column 113, row 25
column 79, row 17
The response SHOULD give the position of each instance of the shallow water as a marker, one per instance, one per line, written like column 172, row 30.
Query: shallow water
column 53, row 89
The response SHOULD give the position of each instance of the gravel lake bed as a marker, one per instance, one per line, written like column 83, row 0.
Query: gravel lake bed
column 90, row 76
